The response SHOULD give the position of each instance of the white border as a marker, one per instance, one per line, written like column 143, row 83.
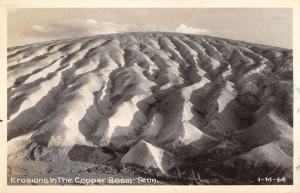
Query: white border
column 295, row 4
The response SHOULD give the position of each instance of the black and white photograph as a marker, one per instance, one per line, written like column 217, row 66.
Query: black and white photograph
column 150, row 96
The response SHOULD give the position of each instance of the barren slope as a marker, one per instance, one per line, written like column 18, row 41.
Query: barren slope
column 165, row 102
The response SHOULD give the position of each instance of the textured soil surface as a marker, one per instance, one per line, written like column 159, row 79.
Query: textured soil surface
column 185, row 109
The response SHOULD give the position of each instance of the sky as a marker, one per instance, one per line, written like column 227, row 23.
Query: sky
column 271, row 26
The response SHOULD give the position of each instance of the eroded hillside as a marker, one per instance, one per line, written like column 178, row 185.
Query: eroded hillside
column 166, row 103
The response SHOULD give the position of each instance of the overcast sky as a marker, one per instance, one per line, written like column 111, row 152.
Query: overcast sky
column 265, row 26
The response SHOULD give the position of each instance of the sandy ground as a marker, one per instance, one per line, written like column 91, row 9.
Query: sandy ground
column 185, row 108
